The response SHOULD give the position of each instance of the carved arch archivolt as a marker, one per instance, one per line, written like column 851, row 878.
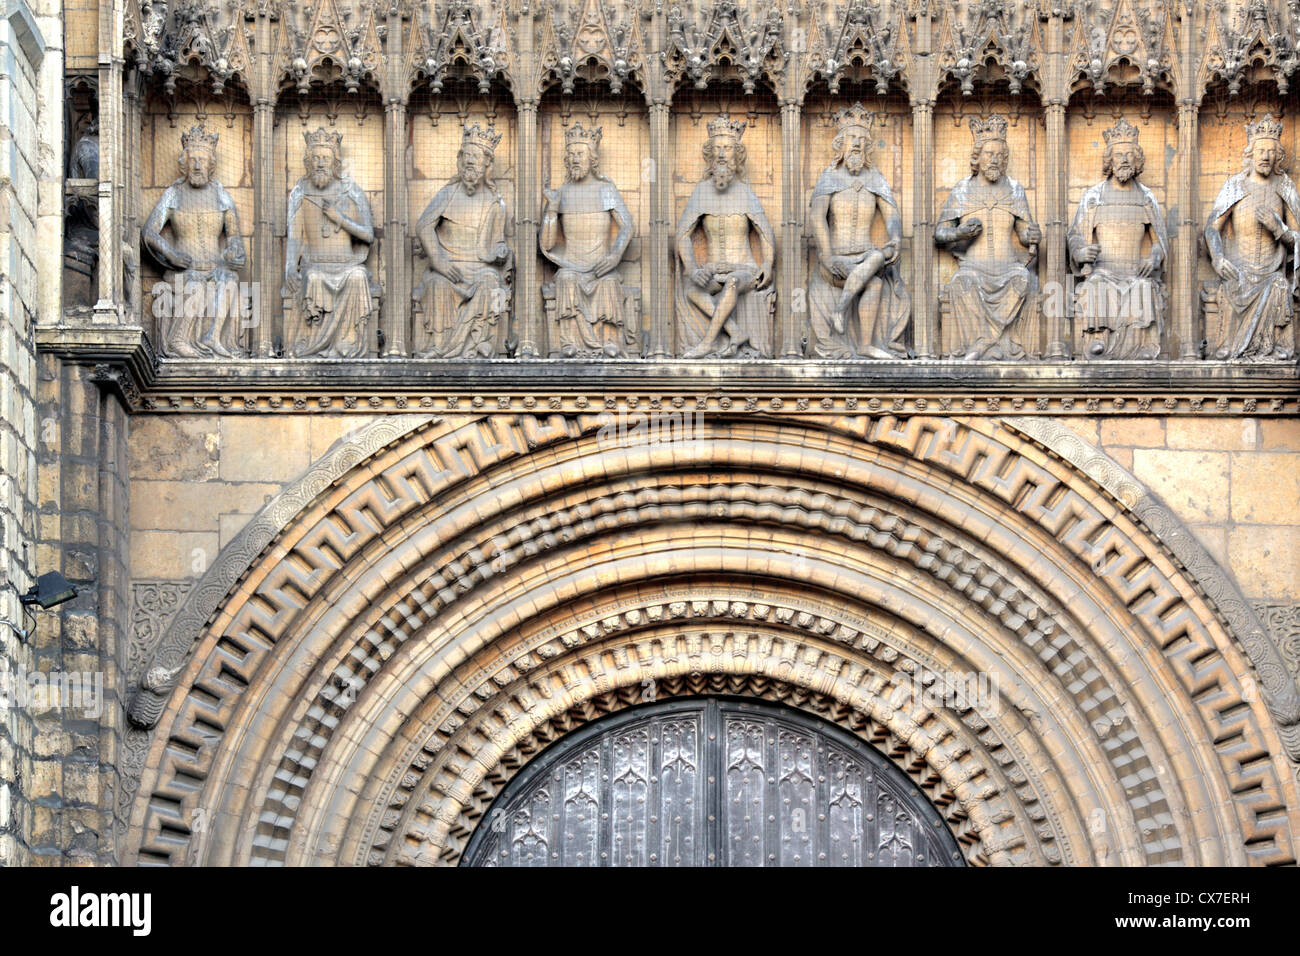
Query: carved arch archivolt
column 375, row 664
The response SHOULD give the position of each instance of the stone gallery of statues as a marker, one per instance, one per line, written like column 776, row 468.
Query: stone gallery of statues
column 194, row 232
column 853, row 305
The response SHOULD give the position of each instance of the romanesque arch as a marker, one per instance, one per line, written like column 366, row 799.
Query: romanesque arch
column 395, row 637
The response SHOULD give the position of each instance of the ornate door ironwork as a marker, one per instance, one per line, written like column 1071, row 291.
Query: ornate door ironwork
column 711, row 782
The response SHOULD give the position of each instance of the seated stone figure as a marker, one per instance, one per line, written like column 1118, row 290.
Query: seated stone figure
column 1259, row 211
column 199, row 307
column 858, row 306
column 1120, row 308
column 585, row 230
column 462, row 304
column 329, row 238
column 986, row 222
column 725, row 303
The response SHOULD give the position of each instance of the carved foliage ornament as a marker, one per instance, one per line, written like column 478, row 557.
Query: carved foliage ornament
column 984, row 33
column 857, row 33
column 703, row 40
column 593, row 40
column 1110, row 36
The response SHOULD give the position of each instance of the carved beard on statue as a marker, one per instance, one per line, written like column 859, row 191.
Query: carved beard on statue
column 855, row 159
column 1124, row 169
column 723, row 174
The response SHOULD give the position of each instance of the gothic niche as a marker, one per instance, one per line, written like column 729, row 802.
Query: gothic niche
column 1118, row 246
column 725, row 300
column 330, row 297
column 986, row 224
column 1252, row 238
column 585, row 230
column 462, row 304
column 193, row 232
column 81, row 220
column 858, row 306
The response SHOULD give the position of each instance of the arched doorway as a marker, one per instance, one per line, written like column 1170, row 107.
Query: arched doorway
column 396, row 637
column 711, row 781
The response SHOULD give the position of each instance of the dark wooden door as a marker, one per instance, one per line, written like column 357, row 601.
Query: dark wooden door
column 711, row 782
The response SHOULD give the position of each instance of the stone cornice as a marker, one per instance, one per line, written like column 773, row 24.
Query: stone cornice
column 146, row 383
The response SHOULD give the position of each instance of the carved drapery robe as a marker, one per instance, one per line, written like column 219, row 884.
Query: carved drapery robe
column 990, row 294
column 726, row 219
column 335, row 294
column 201, row 315
column 1258, row 306
column 1121, row 309
column 884, row 328
column 465, row 319
column 588, row 308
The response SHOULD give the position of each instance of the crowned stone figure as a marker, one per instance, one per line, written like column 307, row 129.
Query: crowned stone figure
column 463, row 301
column 329, row 236
column 585, row 230
column 858, row 306
column 200, row 307
column 1252, row 235
column 986, row 224
column 725, row 303
column 1118, row 244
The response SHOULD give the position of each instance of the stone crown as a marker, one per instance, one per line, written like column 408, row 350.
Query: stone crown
column 724, row 125
column 198, row 137
column 1122, row 132
column 855, row 117
column 1267, row 128
column 577, row 133
column 992, row 129
column 324, row 137
column 485, row 138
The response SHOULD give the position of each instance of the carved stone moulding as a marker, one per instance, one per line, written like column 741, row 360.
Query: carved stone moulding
column 894, row 403
column 438, row 664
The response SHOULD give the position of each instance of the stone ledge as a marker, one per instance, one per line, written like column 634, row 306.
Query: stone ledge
column 124, row 359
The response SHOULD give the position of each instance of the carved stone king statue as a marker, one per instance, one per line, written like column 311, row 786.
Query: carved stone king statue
column 577, row 222
column 463, row 301
column 725, row 303
column 199, row 309
column 1120, row 309
column 857, row 303
column 329, row 236
column 986, row 224
column 1259, row 211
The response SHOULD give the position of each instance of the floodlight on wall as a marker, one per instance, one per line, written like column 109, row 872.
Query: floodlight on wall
column 50, row 590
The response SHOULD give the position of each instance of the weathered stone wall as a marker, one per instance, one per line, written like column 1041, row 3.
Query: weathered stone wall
column 196, row 480
column 83, row 513
column 29, row 54
column 1235, row 482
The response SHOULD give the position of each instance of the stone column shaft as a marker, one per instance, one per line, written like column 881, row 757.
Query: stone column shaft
column 266, row 271
column 112, row 120
column 658, row 298
column 925, row 308
column 1056, row 200
column 394, row 321
column 792, row 306
column 1186, row 299
column 528, row 294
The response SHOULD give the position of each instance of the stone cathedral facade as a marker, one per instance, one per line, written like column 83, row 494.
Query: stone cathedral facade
column 606, row 432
